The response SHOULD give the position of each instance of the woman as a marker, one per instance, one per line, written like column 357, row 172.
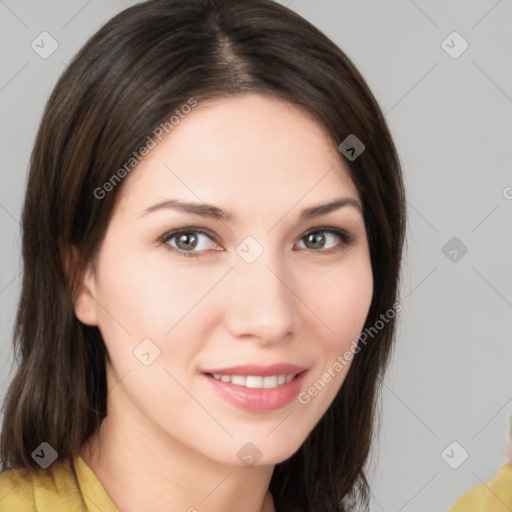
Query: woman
column 212, row 235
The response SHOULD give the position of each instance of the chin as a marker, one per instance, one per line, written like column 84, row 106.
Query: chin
column 264, row 451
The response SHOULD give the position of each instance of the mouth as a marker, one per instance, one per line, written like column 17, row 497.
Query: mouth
column 257, row 388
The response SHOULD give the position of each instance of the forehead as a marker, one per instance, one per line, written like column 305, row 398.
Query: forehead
column 247, row 151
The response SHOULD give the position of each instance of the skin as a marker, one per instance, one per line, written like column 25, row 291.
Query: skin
column 169, row 441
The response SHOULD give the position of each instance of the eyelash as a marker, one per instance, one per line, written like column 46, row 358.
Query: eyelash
column 345, row 238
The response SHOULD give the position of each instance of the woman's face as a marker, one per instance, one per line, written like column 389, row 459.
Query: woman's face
column 222, row 258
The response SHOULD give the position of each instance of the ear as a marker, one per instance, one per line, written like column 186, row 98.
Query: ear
column 85, row 302
column 83, row 285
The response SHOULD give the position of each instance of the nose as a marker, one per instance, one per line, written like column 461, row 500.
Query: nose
column 262, row 305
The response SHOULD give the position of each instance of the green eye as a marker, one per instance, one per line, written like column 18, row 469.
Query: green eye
column 187, row 242
column 324, row 239
column 195, row 242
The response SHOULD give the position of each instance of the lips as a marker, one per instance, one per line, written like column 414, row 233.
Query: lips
column 257, row 388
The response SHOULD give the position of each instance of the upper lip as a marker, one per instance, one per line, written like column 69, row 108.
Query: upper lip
column 258, row 370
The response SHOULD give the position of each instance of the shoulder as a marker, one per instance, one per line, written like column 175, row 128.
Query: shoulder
column 16, row 493
column 53, row 489
column 495, row 495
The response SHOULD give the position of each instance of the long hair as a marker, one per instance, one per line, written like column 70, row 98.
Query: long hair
column 128, row 79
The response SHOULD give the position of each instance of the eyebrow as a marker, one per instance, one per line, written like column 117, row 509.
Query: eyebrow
column 208, row 210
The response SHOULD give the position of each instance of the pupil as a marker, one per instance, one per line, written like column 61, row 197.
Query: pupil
column 317, row 240
column 186, row 242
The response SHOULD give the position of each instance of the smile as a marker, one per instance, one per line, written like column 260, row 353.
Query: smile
column 257, row 388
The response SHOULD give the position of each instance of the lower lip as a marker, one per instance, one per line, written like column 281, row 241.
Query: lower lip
column 257, row 399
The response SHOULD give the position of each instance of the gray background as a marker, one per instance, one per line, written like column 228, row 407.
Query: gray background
column 451, row 374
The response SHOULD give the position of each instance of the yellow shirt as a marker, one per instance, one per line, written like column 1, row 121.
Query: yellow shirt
column 54, row 490
column 493, row 496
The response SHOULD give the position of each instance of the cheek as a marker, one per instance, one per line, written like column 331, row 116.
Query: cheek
column 145, row 295
column 147, row 292
column 342, row 300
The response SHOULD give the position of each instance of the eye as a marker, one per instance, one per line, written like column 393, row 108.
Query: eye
column 193, row 241
column 326, row 240
column 187, row 242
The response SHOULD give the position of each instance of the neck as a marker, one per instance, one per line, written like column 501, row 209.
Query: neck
column 142, row 468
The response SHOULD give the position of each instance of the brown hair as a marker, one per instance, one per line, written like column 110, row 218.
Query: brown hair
column 131, row 76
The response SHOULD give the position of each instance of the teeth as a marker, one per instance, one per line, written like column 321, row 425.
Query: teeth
column 255, row 381
column 238, row 380
column 270, row 381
